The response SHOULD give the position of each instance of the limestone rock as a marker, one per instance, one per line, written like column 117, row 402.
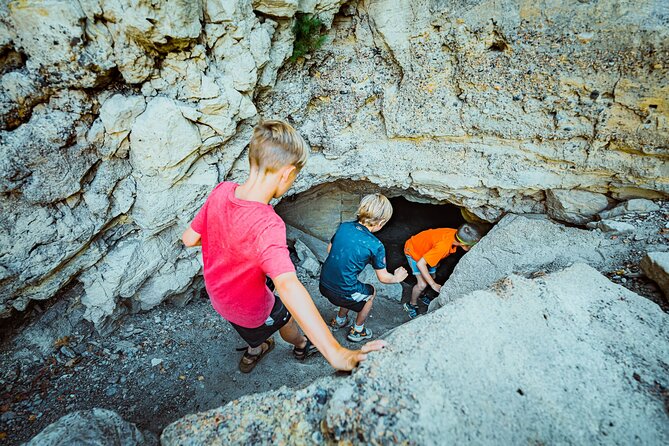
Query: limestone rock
column 656, row 266
column 119, row 116
column 613, row 226
column 308, row 260
column 96, row 426
column 417, row 85
column 520, row 245
column 54, row 36
column 496, row 367
column 574, row 206
column 315, row 245
column 278, row 8
column 634, row 205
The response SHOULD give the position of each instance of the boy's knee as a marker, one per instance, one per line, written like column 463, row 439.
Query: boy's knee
column 421, row 286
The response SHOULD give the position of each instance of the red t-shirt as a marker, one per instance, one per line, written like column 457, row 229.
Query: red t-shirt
column 242, row 242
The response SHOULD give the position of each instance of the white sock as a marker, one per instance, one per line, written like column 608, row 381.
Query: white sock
column 357, row 327
column 341, row 320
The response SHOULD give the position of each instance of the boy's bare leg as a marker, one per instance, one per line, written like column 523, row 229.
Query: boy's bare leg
column 291, row 334
column 362, row 316
column 417, row 289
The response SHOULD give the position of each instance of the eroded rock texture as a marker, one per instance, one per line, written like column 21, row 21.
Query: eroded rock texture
column 564, row 358
column 119, row 117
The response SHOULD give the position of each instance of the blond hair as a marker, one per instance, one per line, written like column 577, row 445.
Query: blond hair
column 374, row 209
column 275, row 144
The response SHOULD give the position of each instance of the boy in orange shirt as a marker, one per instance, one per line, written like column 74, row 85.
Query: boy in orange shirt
column 426, row 249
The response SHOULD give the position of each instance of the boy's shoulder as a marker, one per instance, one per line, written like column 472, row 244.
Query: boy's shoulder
column 355, row 233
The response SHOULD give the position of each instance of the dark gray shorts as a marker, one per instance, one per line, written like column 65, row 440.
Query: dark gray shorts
column 278, row 317
column 356, row 301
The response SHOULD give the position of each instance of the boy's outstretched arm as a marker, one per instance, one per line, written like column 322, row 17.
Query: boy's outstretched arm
column 385, row 277
column 191, row 238
column 298, row 302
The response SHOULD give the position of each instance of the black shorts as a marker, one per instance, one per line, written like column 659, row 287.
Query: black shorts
column 354, row 302
column 278, row 317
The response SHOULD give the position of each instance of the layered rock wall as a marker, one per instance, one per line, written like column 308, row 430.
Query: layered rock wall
column 118, row 117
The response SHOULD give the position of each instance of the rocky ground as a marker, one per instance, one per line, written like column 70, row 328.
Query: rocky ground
column 158, row 367
column 651, row 232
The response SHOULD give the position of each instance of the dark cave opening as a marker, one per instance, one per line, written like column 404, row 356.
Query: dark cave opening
column 319, row 211
column 410, row 218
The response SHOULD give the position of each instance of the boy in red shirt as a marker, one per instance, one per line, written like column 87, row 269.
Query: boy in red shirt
column 243, row 241
column 426, row 249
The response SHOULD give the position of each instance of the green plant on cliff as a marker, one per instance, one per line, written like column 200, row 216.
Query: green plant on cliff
column 308, row 35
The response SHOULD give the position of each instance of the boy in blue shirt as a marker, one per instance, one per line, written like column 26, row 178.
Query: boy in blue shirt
column 352, row 247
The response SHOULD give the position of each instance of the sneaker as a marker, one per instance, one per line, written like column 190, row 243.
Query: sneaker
column 411, row 309
column 426, row 300
column 334, row 325
column 357, row 336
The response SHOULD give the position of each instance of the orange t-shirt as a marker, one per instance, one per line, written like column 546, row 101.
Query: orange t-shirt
column 433, row 244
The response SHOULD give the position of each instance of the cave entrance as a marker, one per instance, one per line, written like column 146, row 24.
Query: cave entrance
column 319, row 211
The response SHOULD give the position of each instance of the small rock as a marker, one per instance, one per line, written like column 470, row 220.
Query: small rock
column 656, row 266
column 634, row 205
column 616, row 227
column 113, row 379
column 156, row 361
column 111, row 391
column 574, row 206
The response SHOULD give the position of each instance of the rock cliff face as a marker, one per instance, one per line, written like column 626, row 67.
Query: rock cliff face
column 118, row 117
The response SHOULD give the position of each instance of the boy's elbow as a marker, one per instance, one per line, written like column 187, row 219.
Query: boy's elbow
column 190, row 238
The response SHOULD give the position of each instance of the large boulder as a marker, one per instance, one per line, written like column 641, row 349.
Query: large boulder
column 574, row 206
column 564, row 358
column 99, row 427
column 522, row 245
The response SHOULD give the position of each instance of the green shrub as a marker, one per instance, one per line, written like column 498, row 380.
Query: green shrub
column 308, row 37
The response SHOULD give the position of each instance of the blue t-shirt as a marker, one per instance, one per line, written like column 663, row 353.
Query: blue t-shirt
column 353, row 247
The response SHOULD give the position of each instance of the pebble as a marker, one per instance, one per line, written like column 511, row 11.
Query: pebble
column 5, row 417
column 156, row 361
column 112, row 379
column 111, row 391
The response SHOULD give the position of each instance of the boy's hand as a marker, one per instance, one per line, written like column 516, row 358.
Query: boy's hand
column 400, row 274
column 349, row 359
column 436, row 287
